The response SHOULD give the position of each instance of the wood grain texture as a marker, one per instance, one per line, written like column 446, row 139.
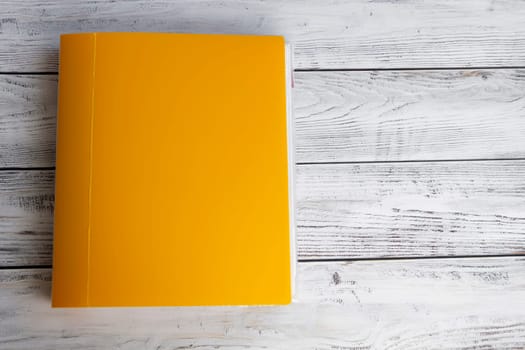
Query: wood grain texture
column 450, row 304
column 410, row 209
column 27, row 120
column 327, row 34
column 26, row 217
column 342, row 211
column 339, row 116
column 409, row 115
column 416, row 209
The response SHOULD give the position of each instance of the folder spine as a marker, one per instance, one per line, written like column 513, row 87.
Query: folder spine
column 70, row 284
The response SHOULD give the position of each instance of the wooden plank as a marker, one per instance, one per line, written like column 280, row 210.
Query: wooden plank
column 26, row 217
column 327, row 34
column 450, row 304
column 410, row 209
column 339, row 116
column 409, row 115
column 27, row 120
column 343, row 211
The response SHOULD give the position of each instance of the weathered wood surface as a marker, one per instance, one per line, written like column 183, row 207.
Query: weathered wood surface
column 409, row 115
column 403, row 209
column 26, row 217
column 339, row 116
column 326, row 34
column 410, row 209
column 27, row 120
column 343, row 211
column 426, row 304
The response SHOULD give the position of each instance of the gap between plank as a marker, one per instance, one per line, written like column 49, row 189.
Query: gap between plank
column 395, row 258
column 327, row 260
column 368, row 69
column 330, row 163
column 27, row 168
column 28, row 73
column 403, row 69
column 411, row 161
column 22, row 267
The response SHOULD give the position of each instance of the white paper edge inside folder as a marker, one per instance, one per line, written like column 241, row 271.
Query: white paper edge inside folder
column 291, row 165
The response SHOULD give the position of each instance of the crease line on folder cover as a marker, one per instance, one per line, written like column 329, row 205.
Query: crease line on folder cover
column 94, row 57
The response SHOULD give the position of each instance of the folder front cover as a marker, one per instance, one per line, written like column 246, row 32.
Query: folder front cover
column 172, row 173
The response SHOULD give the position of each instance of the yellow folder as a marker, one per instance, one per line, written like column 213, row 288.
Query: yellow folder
column 172, row 171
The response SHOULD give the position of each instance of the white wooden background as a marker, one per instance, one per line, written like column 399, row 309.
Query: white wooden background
column 410, row 125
